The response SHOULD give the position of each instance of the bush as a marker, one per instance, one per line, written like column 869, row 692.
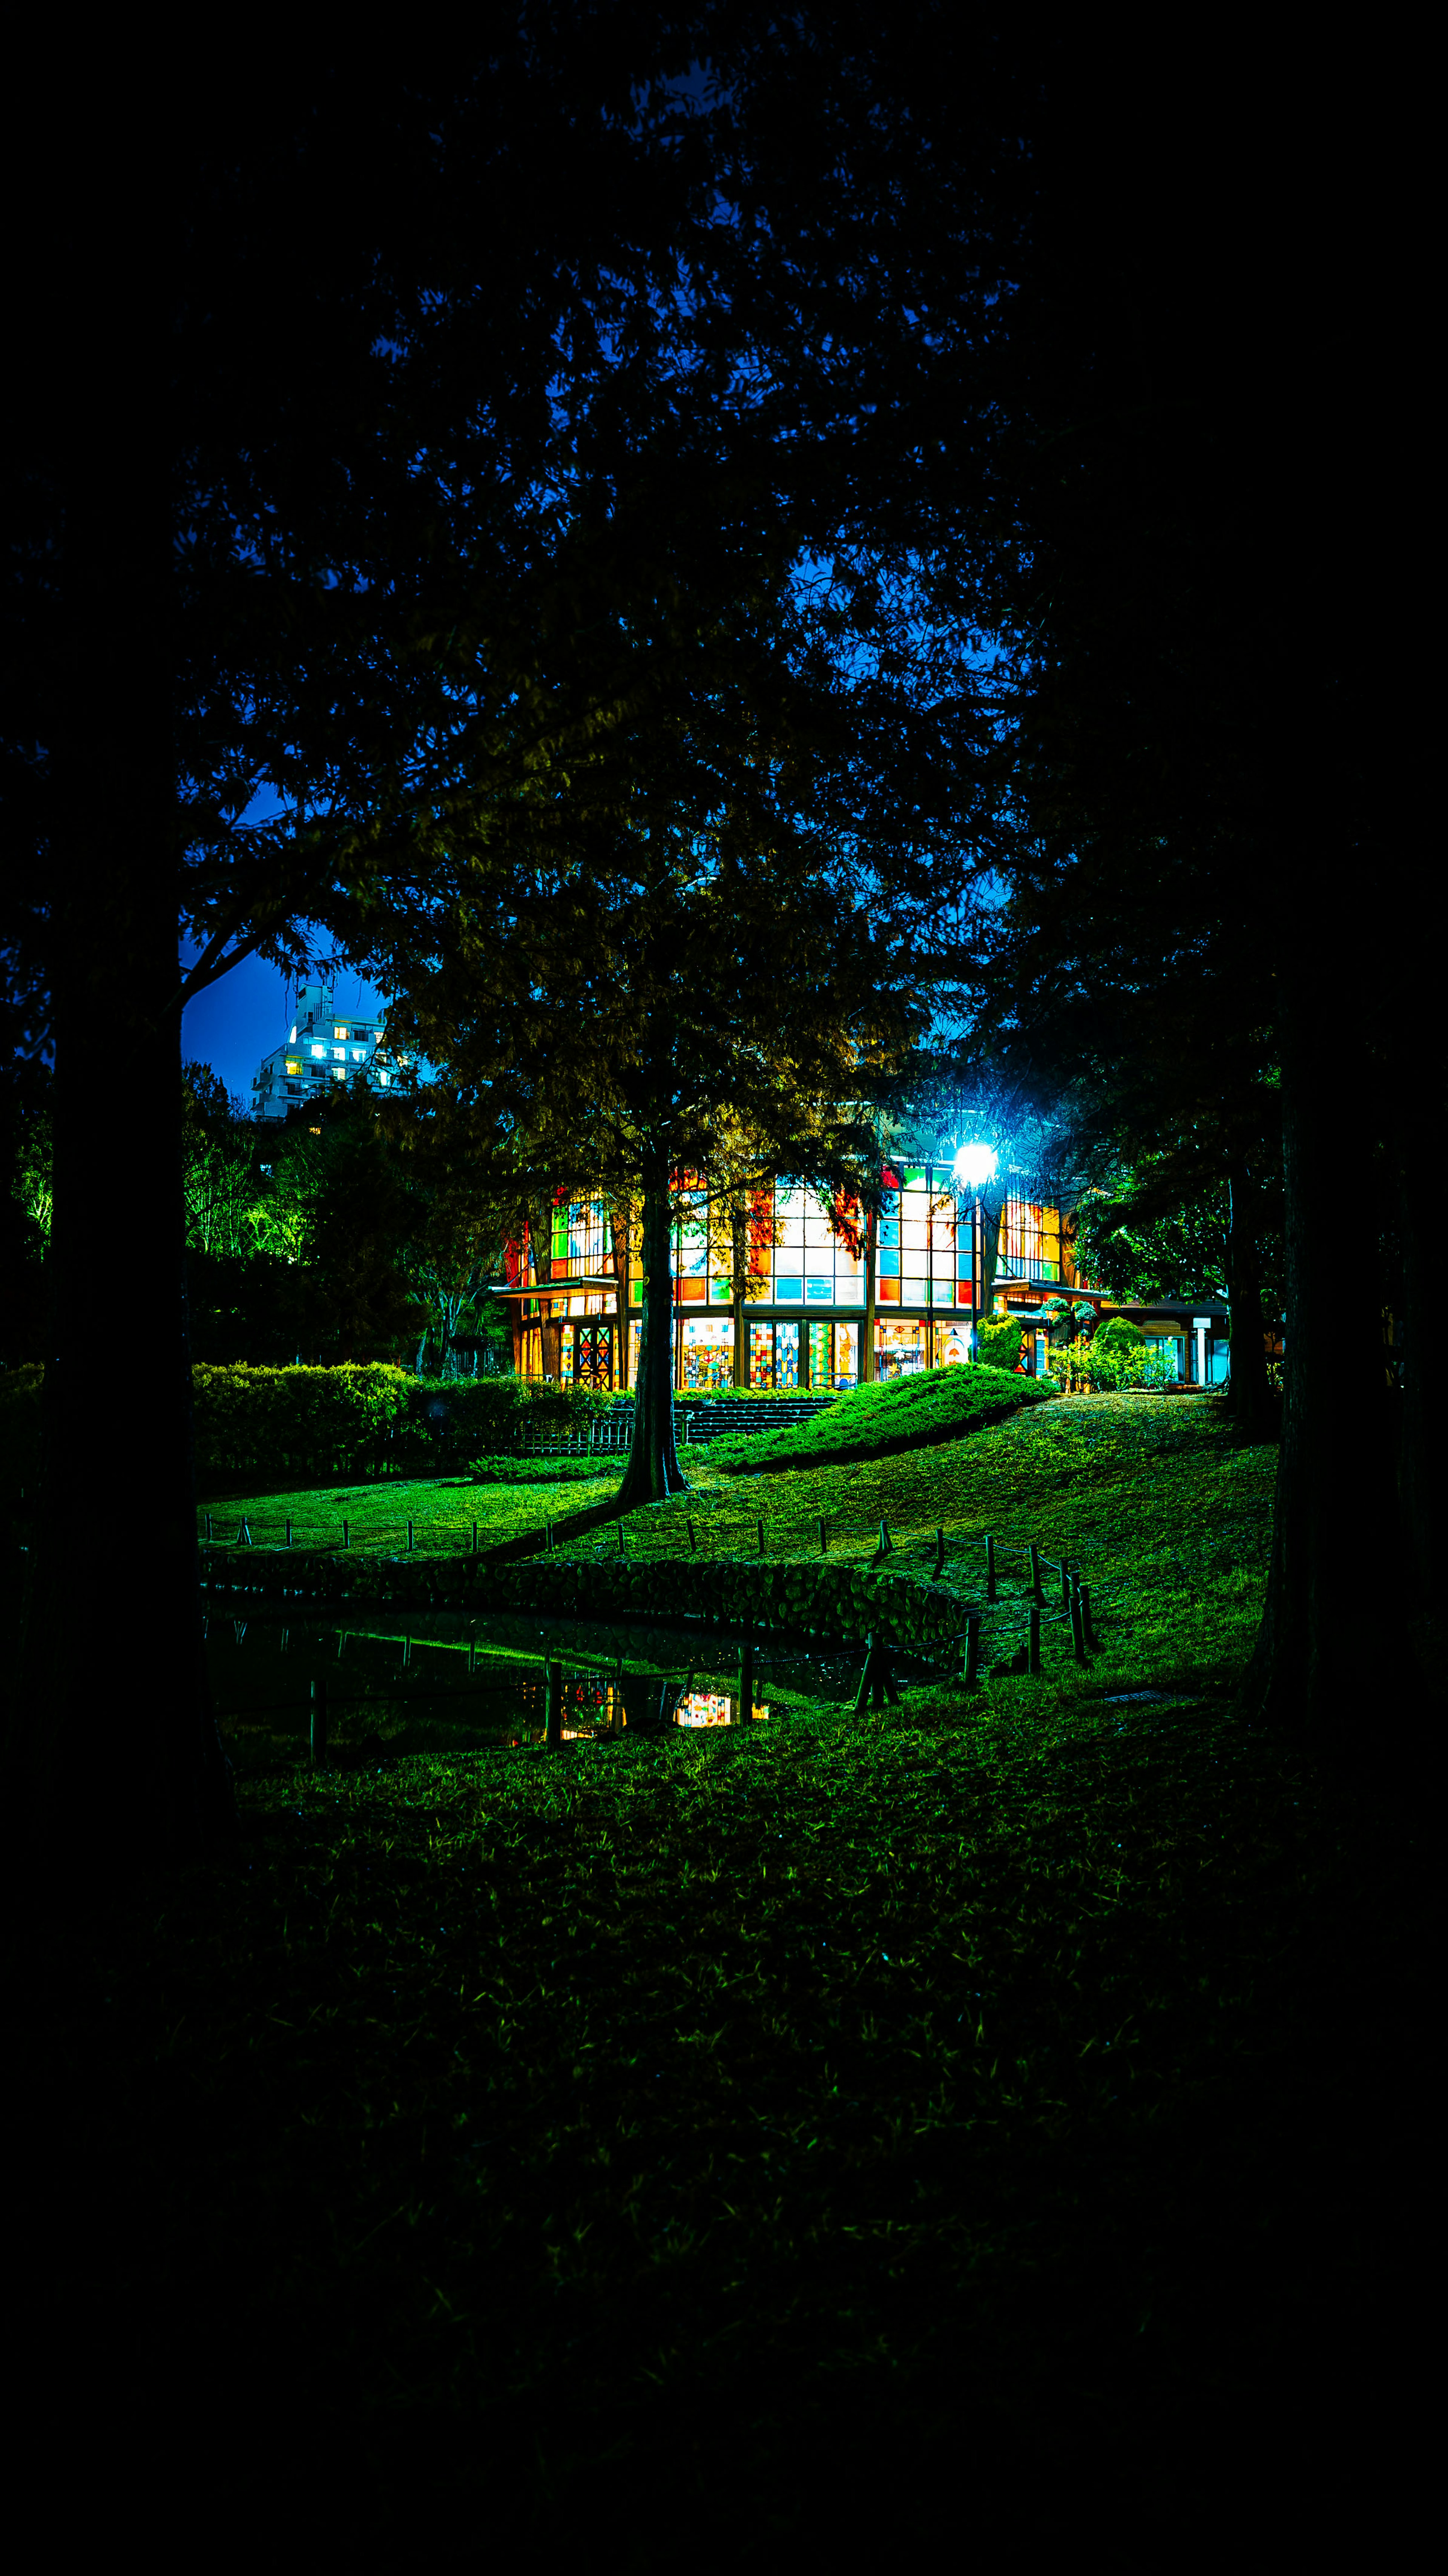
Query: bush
column 1120, row 1336
column 1109, row 1367
column 276, row 1423
column 543, row 1471
column 939, row 1404
column 556, row 1410
column 998, row 1343
column 466, row 1413
column 296, row 1425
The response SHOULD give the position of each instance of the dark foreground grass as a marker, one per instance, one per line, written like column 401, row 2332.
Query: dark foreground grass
column 944, row 2131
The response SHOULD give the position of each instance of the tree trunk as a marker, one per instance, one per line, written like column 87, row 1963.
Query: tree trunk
column 867, row 1341
column 1252, row 1407
column 113, row 1751
column 653, row 1471
column 1332, row 1624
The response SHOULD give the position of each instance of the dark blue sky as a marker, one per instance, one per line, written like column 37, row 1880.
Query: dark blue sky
column 233, row 1024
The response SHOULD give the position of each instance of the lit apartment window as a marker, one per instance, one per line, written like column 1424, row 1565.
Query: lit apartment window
column 339, row 1073
column 294, row 1064
column 321, row 1051
column 384, row 1079
column 340, row 1053
column 339, row 1032
column 357, row 1054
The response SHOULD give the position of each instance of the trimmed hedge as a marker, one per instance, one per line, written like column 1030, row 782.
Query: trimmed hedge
column 872, row 1421
column 276, row 1422
column 999, row 1342
column 301, row 1424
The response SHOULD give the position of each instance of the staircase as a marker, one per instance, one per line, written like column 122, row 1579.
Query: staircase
column 695, row 1425
column 729, row 1415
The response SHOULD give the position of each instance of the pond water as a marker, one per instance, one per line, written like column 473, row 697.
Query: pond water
column 439, row 1682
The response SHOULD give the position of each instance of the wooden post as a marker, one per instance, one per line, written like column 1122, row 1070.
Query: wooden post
column 824, row 1542
column 746, row 1681
column 289, row 1533
column 939, row 1552
column 1065, row 1585
column 208, row 1528
column 319, row 1723
column 618, row 1527
column 475, row 1538
column 1036, row 1592
column 1034, row 1658
column 1087, row 1631
column 346, row 1533
column 867, row 1676
column 1078, row 1626
column 886, row 1548
column 972, row 1648
column 990, row 1573
column 553, row 1716
column 411, row 1541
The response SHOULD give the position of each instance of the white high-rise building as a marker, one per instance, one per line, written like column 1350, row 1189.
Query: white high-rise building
column 326, row 1047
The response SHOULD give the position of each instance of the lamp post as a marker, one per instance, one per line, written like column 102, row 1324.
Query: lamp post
column 972, row 1167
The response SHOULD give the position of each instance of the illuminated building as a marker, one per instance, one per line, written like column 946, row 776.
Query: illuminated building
column 326, row 1047
column 823, row 1285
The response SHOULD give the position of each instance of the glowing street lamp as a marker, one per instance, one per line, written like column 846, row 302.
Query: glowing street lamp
column 973, row 1166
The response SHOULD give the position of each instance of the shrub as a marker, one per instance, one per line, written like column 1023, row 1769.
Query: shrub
column 1108, row 1367
column 543, row 1471
column 559, row 1409
column 282, row 1422
column 939, row 1404
column 998, row 1342
column 1120, row 1335
column 466, row 1413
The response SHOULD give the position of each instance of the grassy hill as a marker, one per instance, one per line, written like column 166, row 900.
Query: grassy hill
column 906, row 1413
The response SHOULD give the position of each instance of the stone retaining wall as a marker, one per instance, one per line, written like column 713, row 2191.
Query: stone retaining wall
column 832, row 1599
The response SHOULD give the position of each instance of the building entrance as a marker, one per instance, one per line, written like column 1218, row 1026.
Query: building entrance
column 899, row 1349
column 708, row 1353
column 774, row 1356
column 593, row 1355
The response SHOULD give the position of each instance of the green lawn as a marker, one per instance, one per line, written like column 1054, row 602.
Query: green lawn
column 993, row 2118
column 442, row 1510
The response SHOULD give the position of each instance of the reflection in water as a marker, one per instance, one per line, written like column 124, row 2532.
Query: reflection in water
column 445, row 1683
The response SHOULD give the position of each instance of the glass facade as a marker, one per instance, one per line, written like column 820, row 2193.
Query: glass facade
column 805, row 1280
column 1030, row 1246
